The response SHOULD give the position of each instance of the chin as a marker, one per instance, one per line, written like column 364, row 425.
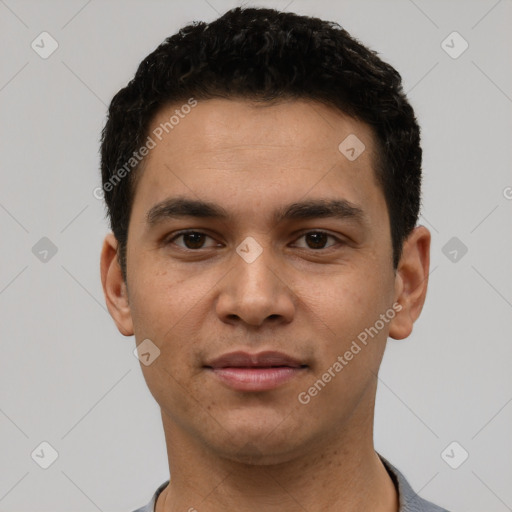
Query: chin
column 259, row 440
column 256, row 453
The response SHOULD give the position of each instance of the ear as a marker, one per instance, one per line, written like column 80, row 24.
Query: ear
column 114, row 287
column 411, row 282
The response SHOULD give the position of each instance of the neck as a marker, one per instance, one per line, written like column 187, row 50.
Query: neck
column 342, row 473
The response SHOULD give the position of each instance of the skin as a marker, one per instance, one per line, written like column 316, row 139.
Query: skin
column 253, row 451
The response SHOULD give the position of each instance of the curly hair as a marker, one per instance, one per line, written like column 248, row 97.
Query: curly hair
column 267, row 55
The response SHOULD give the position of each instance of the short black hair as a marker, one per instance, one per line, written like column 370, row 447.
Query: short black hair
column 267, row 55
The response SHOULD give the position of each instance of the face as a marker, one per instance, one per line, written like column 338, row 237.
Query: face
column 290, row 254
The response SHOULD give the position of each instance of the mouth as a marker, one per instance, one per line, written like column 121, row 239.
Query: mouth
column 263, row 371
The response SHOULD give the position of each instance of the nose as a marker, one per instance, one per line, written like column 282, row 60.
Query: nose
column 255, row 292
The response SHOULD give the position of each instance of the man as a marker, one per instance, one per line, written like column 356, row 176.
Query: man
column 262, row 177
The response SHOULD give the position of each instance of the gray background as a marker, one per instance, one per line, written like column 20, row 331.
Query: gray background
column 69, row 378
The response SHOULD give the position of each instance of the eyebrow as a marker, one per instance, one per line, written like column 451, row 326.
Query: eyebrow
column 178, row 207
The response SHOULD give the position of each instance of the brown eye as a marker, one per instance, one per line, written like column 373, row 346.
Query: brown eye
column 191, row 239
column 317, row 239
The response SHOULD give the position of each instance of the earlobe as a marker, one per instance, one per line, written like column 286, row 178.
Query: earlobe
column 114, row 287
column 411, row 282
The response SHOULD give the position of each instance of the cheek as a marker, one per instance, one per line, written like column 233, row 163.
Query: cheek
column 342, row 310
column 174, row 393
column 161, row 298
column 344, row 301
column 170, row 307
column 165, row 309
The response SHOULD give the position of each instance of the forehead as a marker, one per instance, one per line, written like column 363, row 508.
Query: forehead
column 221, row 125
column 222, row 149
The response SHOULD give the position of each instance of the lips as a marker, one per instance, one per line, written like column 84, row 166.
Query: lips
column 259, row 360
column 262, row 371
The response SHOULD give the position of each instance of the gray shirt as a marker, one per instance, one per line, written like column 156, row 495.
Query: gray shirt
column 408, row 500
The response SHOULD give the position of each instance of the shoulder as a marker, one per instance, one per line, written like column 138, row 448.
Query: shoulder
column 150, row 507
column 409, row 500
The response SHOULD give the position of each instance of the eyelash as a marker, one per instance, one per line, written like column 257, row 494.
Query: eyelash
column 188, row 232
